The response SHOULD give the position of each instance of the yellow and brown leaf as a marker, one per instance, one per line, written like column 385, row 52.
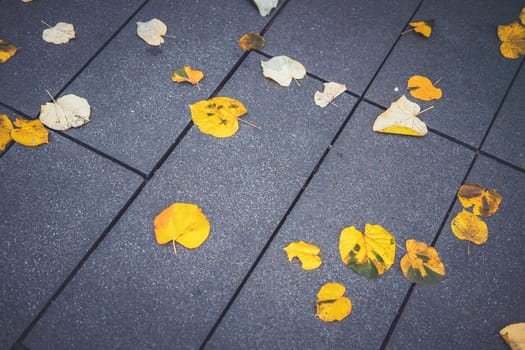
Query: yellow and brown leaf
column 7, row 51
column 484, row 202
column 331, row 304
column 421, row 264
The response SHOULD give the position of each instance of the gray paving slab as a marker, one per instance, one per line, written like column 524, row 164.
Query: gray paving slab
column 506, row 139
column 138, row 112
column 39, row 65
column 404, row 184
column 339, row 41
column 135, row 294
column 464, row 51
column 484, row 290
column 55, row 201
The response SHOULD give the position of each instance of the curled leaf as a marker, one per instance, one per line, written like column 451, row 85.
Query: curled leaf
column 265, row 6
column 423, row 27
column 282, row 69
column 514, row 335
column 421, row 264
column 401, row 118
column 187, row 74
column 251, row 41
column 484, row 202
column 307, row 253
column 331, row 304
column 522, row 16
column 69, row 111
column 152, row 31
column 61, row 33
column 29, row 132
column 421, row 87
column 5, row 131
column 217, row 116
column 469, row 227
column 513, row 40
column 331, row 91
column 7, row 51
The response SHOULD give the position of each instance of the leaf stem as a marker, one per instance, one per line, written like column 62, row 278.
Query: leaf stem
column 437, row 81
column 333, row 104
column 296, row 82
column 169, row 36
column 426, row 110
column 49, row 94
column 250, row 124
column 407, row 31
column 403, row 249
column 468, row 247
column 174, row 248
column 47, row 24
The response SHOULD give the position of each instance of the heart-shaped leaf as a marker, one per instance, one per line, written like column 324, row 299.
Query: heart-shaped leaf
column 469, row 227
column 401, row 118
column 187, row 74
column 307, row 253
column 422, row 264
column 421, row 87
column 331, row 304
column 484, row 202
column 61, row 33
column 152, row 31
column 29, row 132
column 69, row 111
column 513, row 40
column 218, row 116
column 282, row 69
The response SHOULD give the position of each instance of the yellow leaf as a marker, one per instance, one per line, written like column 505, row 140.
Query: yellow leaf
column 183, row 223
column 370, row 254
column 485, row 202
column 522, row 16
column 307, row 253
column 422, row 264
column 251, row 41
column 61, row 33
column 421, row 87
column 152, row 31
column 513, row 40
column 423, row 27
column 401, row 118
column 187, row 74
column 5, row 131
column 331, row 91
column 282, row 69
column 514, row 335
column 69, row 111
column 331, row 304
column 217, row 116
column 29, row 132
column 469, row 227
column 6, row 51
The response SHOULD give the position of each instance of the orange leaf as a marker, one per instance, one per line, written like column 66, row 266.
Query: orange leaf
column 251, row 41
column 29, row 132
column 5, row 131
column 513, row 40
column 6, row 51
column 421, row 87
column 187, row 74
column 423, row 27
column 469, row 227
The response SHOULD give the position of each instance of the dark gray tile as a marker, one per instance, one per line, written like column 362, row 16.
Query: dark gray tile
column 484, row 290
column 55, row 201
column 464, row 51
column 339, row 41
column 39, row 65
column 404, row 184
column 507, row 136
column 133, row 293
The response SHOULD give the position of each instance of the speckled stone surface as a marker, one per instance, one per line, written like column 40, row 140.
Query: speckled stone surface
column 54, row 203
column 464, row 51
column 484, row 290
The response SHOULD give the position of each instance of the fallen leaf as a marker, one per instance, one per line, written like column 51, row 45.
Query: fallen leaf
column 265, row 6
column 370, row 254
column 27, row 0
column 421, row 87
column 484, row 202
column 187, row 74
column 331, row 91
column 469, row 227
column 61, row 33
column 421, row 264
column 401, row 118
column 5, row 131
column 514, row 335
column 513, row 40
column 522, row 16
column 182, row 223
column 423, row 27
column 29, row 132
column 6, row 51
column 217, row 116
column 152, row 31
column 307, row 253
column 251, row 41
column 331, row 304
column 69, row 111
column 283, row 69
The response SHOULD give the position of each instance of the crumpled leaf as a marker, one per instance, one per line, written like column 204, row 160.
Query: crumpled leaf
column 423, row 27
column 514, row 335
column 469, row 227
column 421, row 87
column 29, row 132
column 182, row 223
column 5, row 131
column 69, row 111
column 217, row 116
column 401, row 118
column 370, row 254
column 61, row 33
column 187, row 74
column 265, row 6
column 7, row 51
column 331, row 304
column 282, row 69
column 331, row 91
column 421, row 264
column 307, row 253
column 484, row 202
column 513, row 40
column 251, row 41
column 152, row 31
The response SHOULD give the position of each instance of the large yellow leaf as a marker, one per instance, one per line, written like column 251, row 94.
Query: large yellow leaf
column 421, row 87
column 251, row 41
column 5, row 131
column 331, row 304
column 423, row 27
column 401, row 118
column 370, row 254
column 514, row 335
column 61, row 33
column 307, row 253
column 6, row 51
column 282, row 69
column 182, row 223
column 29, row 132
column 484, row 202
column 152, row 31
column 422, row 264
column 469, row 227
column 513, row 40
column 187, row 74
column 217, row 116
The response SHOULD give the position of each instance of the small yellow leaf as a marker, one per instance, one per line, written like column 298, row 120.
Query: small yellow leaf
column 152, row 31
column 513, row 40
column 423, row 27
column 331, row 304
column 251, row 41
column 469, row 227
column 485, row 202
column 370, row 254
column 217, row 116
column 421, row 87
column 61, row 33
column 6, row 51
column 401, row 118
column 282, row 69
column 187, row 74
column 183, row 223
column 29, row 132
column 422, row 264
column 331, row 91
column 514, row 335
column 5, row 131
column 307, row 253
